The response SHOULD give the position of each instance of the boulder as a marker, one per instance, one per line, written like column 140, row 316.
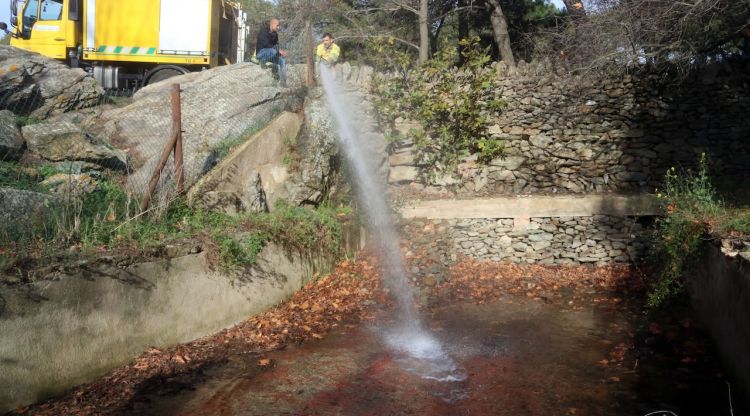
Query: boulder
column 70, row 184
column 21, row 210
column 317, row 166
column 64, row 141
column 11, row 142
column 39, row 87
column 255, row 175
column 219, row 105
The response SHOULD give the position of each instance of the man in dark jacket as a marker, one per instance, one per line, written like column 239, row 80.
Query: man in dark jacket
column 267, row 48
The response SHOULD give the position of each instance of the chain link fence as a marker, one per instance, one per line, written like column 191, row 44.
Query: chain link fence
column 76, row 163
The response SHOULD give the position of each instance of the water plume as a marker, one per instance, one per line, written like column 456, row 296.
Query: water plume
column 419, row 351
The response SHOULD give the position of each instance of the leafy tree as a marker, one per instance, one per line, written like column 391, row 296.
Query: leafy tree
column 452, row 104
column 618, row 34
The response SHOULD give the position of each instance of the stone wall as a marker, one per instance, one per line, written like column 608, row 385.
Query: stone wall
column 566, row 135
column 553, row 230
column 599, row 240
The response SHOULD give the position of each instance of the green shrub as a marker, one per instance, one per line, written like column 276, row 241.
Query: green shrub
column 17, row 176
column 453, row 104
column 692, row 209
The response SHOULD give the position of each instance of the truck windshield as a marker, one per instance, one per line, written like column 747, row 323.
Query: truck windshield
column 51, row 10
column 30, row 16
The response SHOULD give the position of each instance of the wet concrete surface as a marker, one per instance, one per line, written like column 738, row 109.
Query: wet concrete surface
column 521, row 357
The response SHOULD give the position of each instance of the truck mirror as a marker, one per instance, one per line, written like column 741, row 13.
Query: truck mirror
column 3, row 27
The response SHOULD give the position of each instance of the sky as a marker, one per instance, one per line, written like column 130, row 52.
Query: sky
column 558, row 3
column 5, row 11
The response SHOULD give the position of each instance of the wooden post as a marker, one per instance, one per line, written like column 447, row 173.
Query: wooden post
column 179, row 167
column 169, row 146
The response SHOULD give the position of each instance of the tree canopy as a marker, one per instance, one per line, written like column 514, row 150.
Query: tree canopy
column 590, row 34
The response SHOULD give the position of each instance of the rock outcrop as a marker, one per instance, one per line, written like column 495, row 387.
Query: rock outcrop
column 65, row 142
column 253, row 177
column 293, row 159
column 39, row 87
column 218, row 106
column 11, row 142
column 21, row 209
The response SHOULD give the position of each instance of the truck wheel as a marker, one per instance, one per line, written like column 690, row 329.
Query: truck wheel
column 166, row 72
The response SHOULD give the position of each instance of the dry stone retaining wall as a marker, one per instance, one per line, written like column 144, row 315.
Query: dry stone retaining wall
column 609, row 135
column 600, row 239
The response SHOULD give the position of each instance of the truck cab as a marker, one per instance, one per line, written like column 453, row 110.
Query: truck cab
column 49, row 27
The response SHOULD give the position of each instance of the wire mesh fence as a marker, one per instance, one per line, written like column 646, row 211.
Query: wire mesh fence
column 78, row 159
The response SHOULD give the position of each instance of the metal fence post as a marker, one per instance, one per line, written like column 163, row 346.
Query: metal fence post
column 177, row 130
column 171, row 145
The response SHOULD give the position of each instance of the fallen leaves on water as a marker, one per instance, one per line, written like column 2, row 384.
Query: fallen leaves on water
column 571, row 286
column 322, row 305
column 263, row 362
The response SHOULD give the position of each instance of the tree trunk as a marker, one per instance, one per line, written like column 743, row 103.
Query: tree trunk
column 500, row 28
column 575, row 8
column 424, row 31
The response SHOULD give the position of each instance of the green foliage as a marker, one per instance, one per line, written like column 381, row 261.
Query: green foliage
column 304, row 229
column 13, row 176
column 17, row 176
column 692, row 206
column 103, row 221
column 453, row 104
column 222, row 149
column 528, row 21
column 234, row 253
column 737, row 222
column 22, row 121
column 385, row 55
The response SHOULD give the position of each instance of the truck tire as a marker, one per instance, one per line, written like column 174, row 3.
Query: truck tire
column 162, row 72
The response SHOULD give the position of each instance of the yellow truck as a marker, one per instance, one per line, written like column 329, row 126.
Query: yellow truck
column 130, row 43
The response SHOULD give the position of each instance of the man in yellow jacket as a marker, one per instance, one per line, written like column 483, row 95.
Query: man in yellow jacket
column 327, row 52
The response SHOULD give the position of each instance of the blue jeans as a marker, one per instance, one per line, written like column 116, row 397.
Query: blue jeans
column 272, row 55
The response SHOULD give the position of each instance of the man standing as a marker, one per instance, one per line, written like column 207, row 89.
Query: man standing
column 267, row 48
column 327, row 52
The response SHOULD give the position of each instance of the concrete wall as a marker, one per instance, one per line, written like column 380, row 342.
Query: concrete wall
column 72, row 327
column 720, row 290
